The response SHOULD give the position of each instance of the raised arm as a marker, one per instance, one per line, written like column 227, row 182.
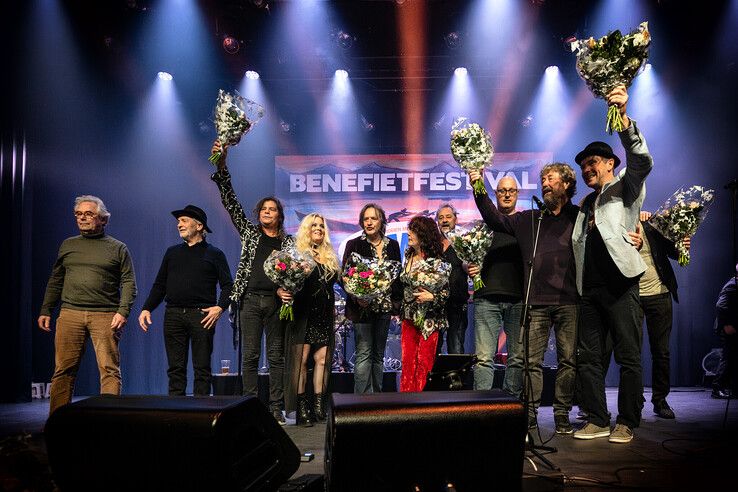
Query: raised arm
column 222, row 178
column 496, row 220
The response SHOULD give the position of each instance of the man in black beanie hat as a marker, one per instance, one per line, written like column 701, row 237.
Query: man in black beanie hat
column 608, row 268
column 187, row 280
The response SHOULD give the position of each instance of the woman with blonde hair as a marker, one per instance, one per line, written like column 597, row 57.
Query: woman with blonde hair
column 312, row 328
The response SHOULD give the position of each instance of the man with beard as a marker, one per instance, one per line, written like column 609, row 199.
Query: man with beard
column 553, row 292
column 456, row 308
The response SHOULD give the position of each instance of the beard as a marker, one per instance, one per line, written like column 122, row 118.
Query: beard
column 554, row 199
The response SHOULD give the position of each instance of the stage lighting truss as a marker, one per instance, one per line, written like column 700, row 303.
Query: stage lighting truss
column 343, row 39
column 453, row 40
column 230, row 44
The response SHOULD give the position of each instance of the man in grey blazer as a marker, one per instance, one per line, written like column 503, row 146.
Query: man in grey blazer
column 608, row 268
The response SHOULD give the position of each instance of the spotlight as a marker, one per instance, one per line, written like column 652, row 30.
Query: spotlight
column 368, row 125
column 252, row 75
column 285, row 126
column 231, row 45
column 647, row 67
column 341, row 74
column 344, row 40
column 164, row 75
column 460, row 71
column 260, row 4
column 453, row 40
column 552, row 70
column 527, row 121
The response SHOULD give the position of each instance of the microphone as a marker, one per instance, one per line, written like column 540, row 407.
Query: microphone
column 541, row 206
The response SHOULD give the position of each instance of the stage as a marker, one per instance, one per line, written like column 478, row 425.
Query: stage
column 694, row 450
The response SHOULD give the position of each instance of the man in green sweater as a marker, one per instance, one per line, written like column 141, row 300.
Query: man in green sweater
column 94, row 280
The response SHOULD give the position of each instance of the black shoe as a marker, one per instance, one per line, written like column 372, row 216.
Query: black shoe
column 319, row 407
column 278, row 415
column 721, row 394
column 563, row 426
column 663, row 410
column 304, row 418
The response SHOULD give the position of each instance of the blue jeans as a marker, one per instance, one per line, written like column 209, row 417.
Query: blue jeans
column 370, row 339
column 564, row 322
column 489, row 318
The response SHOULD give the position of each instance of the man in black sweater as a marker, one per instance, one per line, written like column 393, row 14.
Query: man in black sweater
column 497, row 304
column 553, row 293
column 726, row 323
column 187, row 280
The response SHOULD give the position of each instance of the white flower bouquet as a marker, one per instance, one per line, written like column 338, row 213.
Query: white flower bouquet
column 431, row 274
column 368, row 278
column 680, row 216
column 288, row 268
column 610, row 61
column 472, row 246
column 234, row 117
column 471, row 147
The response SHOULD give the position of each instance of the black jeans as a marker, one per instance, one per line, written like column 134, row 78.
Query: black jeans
column 726, row 376
column 605, row 310
column 180, row 326
column 456, row 331
column 658, row 313
column 260, row 313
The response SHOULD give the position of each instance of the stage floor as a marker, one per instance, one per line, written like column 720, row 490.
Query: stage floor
column 695, row 450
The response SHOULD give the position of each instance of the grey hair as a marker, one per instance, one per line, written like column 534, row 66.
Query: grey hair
column 102, row 211
column 203, row 231
column 446, row 205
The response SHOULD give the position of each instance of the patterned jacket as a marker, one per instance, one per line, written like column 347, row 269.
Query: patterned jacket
column 249, row 232
column 435, row 318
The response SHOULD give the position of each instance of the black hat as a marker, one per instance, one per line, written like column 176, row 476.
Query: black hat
column 597, row 148
column 194, row 212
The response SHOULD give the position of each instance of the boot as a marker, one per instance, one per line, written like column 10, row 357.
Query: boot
column 303, row 411
column 319, row 407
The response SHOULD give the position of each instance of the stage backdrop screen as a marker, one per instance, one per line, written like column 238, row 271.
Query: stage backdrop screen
column 337, row 186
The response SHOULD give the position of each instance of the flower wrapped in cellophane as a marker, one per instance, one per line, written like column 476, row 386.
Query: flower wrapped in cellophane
column 472, row 246
column 288, row 268
column 368, row 278
column 611, row 61
column 431, row 274
column 680, row 216
column 471, row 147
column 234, row 116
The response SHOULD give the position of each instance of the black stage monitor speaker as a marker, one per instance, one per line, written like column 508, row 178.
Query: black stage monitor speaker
column 473, row 440
column 451, row 372
column 159, row 443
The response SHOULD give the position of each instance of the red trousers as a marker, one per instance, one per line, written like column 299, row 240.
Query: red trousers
column 418, row 356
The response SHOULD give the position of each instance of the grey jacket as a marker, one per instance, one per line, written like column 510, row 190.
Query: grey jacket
column 617, row 208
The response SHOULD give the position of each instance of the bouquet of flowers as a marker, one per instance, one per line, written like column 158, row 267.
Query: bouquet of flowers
column 368, row 278
column 234, row 117
column 610, row 61
column 472, row 246
column 288, row 268
column 471, row 147
column 680, row 216
column 431, row 274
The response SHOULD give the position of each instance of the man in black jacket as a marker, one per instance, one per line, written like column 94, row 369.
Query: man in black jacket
column 657, row 287
column 726, row 323
column 456, row 308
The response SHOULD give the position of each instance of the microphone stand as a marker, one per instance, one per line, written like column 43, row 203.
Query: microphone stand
column 524, row 338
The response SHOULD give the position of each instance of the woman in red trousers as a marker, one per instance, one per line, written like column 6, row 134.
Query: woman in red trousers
column 420, row 305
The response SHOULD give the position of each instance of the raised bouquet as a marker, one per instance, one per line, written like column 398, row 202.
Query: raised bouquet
column 234, row 117
column 611, row 61
column 368, row 278
column 288, row 268
column 471, row 147
column 680, row 216
column 472, row 246
column 431, row 274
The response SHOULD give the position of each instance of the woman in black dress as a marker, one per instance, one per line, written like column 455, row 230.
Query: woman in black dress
column 312, row 331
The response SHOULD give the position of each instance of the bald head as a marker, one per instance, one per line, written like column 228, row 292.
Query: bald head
column 507, row 194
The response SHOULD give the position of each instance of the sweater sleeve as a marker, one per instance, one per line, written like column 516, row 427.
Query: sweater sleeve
column 496, row 220
column 159, row 289
column 225, row 280
column 55, row 285
column 127, row 283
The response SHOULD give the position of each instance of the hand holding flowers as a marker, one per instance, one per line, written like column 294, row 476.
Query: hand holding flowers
column 472, row 246
column 288, row 268
column 471, row 147
column 368, row 278
column 234, row 117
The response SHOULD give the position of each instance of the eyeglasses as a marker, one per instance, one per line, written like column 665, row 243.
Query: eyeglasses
column 506, row 191
column 87, row 214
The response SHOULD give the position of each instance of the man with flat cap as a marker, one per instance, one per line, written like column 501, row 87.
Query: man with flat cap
column 187, row 281
column 608, row 270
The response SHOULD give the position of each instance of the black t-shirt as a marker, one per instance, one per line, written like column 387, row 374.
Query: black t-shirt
column 259, row 283
column 599, row 268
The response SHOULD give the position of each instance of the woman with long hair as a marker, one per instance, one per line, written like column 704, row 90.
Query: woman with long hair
column 425, row 243
column 311, row 332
